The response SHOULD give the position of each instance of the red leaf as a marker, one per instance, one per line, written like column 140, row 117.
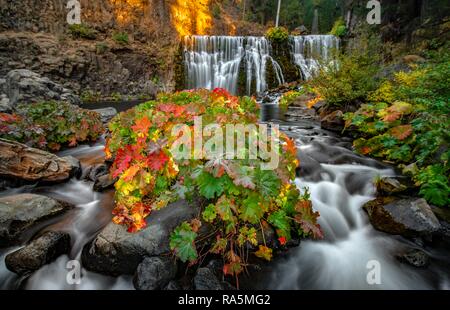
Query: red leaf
column 142, row 125
column 402, row 132
column 156, row 161
column 122, row 162
column 282, row 240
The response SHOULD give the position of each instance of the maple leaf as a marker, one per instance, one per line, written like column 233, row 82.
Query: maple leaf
column 307, row 219
column 176, row 110
column 232, row 269
column 130, row 173
column 182, row 242
column 142, row 126
column 209, row 186
column 219, row 246
column 241, row 175
column 209, row 215
column 122, row 162
column 267, row 182
column 280, row 221
column 402, row 132
column 247, row 235
column 282, row 240
column 156, row 161
column 252, row 209
column 264, row 253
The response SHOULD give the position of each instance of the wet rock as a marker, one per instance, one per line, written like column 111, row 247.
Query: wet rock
column 25, row 86
column 20, row 212
column 18, row 161
column 206, row 280
column 408, row 217
column 442, row 213
column 390, row 186
column 5, row 106
column 106, row 114
column 416, row 258
column 154, row 273
column 173, row 286
column 38, row 253
column 76, row 173
column 333, row 121
column 97, row 171
column 104, row 183
column 115, row 251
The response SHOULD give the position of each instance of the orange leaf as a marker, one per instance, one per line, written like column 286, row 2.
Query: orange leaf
column 402, row 132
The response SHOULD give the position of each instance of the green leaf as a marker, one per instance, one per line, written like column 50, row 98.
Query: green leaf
column 182, row 242
column 209, row 186
column 209, row 215
column 267, row 182
column 252, row 209
column 280, row 221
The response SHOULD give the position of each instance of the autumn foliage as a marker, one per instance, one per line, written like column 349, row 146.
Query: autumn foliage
column 239, row 199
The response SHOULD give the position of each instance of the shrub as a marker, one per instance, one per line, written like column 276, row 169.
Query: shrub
column 82, row 31
column 101, row 48
column 277, row 34
column 238, row 198
column 50, row 125
column 408, row 121
column 121, row 38
column 348, row 80
column 339, row 29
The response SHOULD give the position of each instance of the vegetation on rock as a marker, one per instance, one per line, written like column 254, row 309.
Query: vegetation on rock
column 50, row 125
column 406, row 120
column 277, row 34
column 239, row 199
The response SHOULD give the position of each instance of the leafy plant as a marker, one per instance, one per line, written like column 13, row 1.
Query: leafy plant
column 407, row 121
column 239, row 198
column 348, row 80
column 82, row 31
column 277, row 34
column 339, row 29
column 121, row 38
column 50, row 125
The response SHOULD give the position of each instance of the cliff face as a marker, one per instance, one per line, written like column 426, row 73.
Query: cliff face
column 35, row 35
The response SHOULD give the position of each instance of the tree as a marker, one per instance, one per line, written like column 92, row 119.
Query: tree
column 277, row 23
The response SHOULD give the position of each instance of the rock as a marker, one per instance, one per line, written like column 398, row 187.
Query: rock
column 5, row 106
column 411, row 59
column 154, row 273
column 408, row 217
column 390, row 186
column 38, row 253
column 106, row 114
column 301, row 30
column 18, row 161
column 104, row 183
column 442, row 213
column 20, row 212
column 76, row 173
column 333, row 121
column 172, row 286
column 206, row 280
column 115, row 251
column 416, row 258
column 25, row 86
column 97, row 171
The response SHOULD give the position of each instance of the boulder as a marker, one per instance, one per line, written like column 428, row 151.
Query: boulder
column 173, row 286
column 206, row 280
column 408, row 217
column 106, row 114
column 94, row 172
column 115, row 251
column 104, row 183
column 333, row 121
column 415, row 257
column 38, row 253
column 389, row 186
column 25, row 86
column 154, row 273
column 5, row 106
column 20, row 212
column 18, row 161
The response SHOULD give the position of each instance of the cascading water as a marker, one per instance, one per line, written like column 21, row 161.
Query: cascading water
column 310, row 51
column 215, row 61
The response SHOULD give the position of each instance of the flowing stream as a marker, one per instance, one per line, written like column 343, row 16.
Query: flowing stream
column 340, row 182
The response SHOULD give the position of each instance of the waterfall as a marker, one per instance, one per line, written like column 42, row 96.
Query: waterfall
column 215, row 61
column 310, row 51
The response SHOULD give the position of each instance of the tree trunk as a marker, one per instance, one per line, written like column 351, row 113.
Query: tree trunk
column 277, row 23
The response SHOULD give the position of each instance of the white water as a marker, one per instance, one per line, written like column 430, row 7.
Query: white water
column 310, row 51
column 216, row 61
